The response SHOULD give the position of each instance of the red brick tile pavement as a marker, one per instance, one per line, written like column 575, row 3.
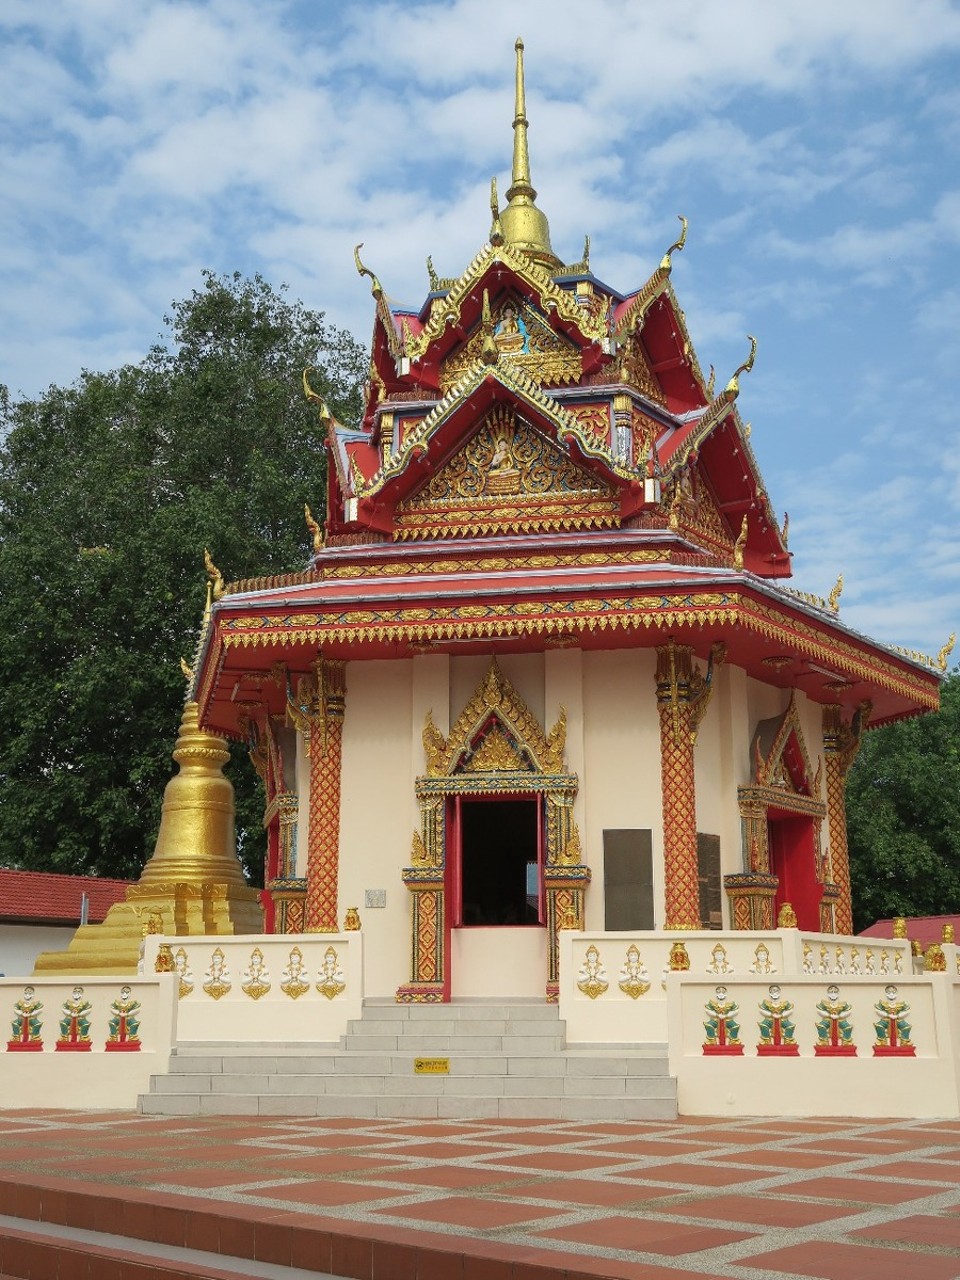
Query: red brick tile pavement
column 829, row 1261
column 641, row 1235
column 485, row 1200
column 926, row 1229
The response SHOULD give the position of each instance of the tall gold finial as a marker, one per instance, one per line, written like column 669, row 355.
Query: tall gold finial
column 521, row 156
column 523, row 224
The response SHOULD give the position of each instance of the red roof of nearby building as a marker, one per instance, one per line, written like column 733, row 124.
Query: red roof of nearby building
column 37, row 897
column 923, row 929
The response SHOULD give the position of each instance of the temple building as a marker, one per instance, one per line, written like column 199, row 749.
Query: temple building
column 544, row 669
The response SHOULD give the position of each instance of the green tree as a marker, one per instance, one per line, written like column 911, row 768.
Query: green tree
column 109, row 492
column 903, row 816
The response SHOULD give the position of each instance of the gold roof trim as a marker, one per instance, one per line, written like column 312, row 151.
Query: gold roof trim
column 590, row 615
column 633, row 317
column 495, row 699
column 448, row 312
column 568, row 427
column 395, row 342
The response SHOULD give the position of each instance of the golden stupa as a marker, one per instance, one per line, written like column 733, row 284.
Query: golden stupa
column 193, row 883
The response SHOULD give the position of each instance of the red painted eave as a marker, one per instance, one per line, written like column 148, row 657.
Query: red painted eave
column 797, row 648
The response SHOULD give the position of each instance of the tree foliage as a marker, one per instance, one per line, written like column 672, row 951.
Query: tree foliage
column 903, row 816
column 109, row 492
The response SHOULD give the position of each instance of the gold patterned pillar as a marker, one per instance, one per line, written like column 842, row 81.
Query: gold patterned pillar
column 317, row 711
column 841, row 742
column 682, row 698
column 565, row 881
column 286, row 889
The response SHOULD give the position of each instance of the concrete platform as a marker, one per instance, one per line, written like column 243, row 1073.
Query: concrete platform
column 129, row 1197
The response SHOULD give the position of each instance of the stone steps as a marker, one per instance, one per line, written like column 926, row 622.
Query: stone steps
column 504, row 1060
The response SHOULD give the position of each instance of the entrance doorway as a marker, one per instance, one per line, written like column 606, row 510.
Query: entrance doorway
column 499, row 857
column 793, row 860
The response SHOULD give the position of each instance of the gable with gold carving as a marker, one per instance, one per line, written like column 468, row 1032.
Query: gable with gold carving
column 524, row 338
column 507, row 478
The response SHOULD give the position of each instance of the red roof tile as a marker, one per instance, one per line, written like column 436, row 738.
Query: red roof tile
column 35, row 896
column 924, row 929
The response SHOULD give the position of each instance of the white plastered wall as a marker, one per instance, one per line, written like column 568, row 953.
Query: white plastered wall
column 620, row 777
column 378, row 812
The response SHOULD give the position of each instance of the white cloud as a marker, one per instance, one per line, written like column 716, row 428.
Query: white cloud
column 811, row 144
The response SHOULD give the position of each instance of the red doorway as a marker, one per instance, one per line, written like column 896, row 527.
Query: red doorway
column 793, row 859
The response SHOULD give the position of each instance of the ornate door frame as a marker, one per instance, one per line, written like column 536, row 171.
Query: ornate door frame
column 783, row 780
column 496, row 748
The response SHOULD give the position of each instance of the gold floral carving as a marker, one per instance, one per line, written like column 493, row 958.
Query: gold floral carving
column 771, row 770
column 594, row 417
column 704, row 522
column 496, row 706
column 635, row 613
column 447, row 311
column 549, row 358
column 494, row 564
column 634, row 370
column 495, row 754
column 505, row 457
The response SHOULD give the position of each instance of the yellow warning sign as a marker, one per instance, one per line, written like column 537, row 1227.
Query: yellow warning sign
column 431, row 1066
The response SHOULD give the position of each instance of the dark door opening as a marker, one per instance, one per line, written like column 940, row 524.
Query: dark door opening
column 500, row 858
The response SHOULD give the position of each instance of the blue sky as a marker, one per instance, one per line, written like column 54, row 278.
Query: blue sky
column 812, row 144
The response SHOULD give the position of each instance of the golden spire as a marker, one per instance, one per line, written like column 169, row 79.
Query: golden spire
column 193, row 882
column 524, row 225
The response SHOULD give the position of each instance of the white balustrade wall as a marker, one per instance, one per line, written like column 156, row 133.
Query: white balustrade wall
column 868, row 1082
column 618, row 989
column 76, row 1069
column 271, row 988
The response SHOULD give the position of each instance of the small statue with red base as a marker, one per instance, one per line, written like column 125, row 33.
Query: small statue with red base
column 75, row 1024
column 892, row 1028
column 27, row 1027
column 721, row 1026
column 124, row 1024
column 776, row 1026
column 834, row 1030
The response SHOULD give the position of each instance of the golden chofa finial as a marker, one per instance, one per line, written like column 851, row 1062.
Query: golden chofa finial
column 833, row 599
column 785, row 530
column 308, row 391
column 740, row 545
column 666, row 262
column 316, row 533
column 215, row 576
column 946, row 651
column 187, row 670
column 525, row 226
column 496, row 230
column 376, row 288
column 733, row 386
